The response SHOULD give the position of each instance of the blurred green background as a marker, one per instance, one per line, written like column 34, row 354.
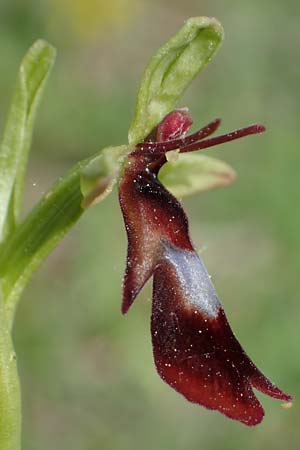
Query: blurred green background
column 87, row 373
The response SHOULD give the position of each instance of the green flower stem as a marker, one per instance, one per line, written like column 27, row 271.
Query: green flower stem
column 10, row 402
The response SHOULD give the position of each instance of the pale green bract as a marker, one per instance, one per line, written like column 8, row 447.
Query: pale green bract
column 170, row 71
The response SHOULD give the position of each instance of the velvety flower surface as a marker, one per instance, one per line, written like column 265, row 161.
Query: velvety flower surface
column 195, row 350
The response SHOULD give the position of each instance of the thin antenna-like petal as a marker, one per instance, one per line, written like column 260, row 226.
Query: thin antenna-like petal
column 159, row 147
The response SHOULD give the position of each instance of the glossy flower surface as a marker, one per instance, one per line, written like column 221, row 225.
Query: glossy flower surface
column 195, row 350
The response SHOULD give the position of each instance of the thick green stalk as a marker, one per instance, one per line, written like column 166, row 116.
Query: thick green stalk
column 10, row 402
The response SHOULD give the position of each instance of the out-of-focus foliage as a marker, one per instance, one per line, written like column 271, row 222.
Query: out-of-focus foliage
column 89, row 20
column 87, row 372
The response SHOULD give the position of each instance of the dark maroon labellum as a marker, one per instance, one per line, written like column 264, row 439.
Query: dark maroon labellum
column 194, row 348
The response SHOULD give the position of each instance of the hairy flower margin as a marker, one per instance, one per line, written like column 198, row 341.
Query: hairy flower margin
column 195, row 350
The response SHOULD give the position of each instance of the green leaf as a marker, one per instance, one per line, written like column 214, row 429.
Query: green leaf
column 171, row 70
column 194, row 173
column 33, row 73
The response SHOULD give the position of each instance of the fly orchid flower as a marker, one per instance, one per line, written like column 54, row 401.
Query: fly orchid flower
column 195, row 350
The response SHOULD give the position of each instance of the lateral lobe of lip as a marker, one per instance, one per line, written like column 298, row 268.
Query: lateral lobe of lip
column 194, row 348
column 150, row 213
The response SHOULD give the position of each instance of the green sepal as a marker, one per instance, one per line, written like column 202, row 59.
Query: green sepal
column 171, row 70
column 194, row 173
column 33, row 73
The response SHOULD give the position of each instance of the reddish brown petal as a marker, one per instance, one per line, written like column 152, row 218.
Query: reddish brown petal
column 195, row 350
